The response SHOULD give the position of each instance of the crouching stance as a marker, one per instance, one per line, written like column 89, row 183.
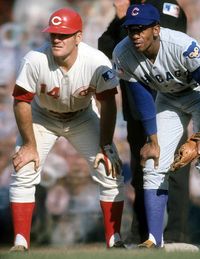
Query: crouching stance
column 52, row 98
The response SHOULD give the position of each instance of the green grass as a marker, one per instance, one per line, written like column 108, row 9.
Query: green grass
column 95, row 252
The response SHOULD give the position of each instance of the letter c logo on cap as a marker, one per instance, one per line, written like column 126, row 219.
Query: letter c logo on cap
column 56, row 20
column 135, row 11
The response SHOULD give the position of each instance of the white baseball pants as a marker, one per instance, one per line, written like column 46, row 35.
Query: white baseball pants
column 83, row 133
column 174, row 113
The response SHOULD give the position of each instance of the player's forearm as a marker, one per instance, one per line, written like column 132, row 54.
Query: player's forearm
column 145, row 106
column 23, row 116
column 150, row 126
column 107, row 121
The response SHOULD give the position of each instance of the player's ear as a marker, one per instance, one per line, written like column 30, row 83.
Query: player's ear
column 156, row 30
column 78, row 37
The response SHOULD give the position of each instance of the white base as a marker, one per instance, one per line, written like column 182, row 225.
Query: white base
column 173, row 247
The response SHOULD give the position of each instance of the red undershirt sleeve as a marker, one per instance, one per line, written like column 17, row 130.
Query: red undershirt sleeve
column 22, row 95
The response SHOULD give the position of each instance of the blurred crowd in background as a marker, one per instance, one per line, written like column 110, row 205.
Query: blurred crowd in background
column 67, row 208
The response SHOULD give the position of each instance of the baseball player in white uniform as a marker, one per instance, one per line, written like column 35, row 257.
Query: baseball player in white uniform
column 52, row 98
column 168, row 61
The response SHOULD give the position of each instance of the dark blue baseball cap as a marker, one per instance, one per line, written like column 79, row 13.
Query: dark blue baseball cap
column 141, row 14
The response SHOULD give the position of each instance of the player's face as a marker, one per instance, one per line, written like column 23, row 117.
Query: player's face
column 64, row 45
column 144, row 38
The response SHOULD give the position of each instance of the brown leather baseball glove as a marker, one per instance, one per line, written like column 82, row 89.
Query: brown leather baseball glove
column 186, row 153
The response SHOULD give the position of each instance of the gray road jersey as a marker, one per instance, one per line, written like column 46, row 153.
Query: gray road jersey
column 178, row 55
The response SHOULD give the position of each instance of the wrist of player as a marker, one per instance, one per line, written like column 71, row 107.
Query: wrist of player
column 110, row 159
column 153, row 139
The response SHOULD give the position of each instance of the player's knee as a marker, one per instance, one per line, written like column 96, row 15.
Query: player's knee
column 26, row 177
column 155, row 181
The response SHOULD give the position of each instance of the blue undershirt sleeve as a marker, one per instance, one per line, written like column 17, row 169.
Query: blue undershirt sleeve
column 196, row 75
column 145, row 106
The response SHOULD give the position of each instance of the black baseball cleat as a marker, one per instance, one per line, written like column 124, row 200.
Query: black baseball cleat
column 119, row 244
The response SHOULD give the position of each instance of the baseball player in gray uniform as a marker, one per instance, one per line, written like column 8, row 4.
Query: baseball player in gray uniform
column 167, row 61
column 52, row 98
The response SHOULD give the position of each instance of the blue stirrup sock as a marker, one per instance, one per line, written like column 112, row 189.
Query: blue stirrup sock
column 155, row 201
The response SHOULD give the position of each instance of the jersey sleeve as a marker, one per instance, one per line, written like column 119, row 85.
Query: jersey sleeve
column 121, row 67
column 191, row 55
column 104, row 79
column 21, row 94
column 28, row 74
column 196, row 75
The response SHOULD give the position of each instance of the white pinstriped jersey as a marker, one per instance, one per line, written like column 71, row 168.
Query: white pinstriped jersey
column 178, row 55
column 60, row 91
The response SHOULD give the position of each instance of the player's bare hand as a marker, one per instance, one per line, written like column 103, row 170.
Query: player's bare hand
column 150, row 151
column 25, row 155
column 111, row 161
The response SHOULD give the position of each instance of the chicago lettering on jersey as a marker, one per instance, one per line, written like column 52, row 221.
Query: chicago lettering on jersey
column 168, row 76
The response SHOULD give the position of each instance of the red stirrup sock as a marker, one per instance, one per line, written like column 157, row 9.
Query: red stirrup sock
column 112, row 213
column 22, row 219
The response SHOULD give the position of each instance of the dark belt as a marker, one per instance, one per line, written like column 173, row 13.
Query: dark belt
column 65, row 115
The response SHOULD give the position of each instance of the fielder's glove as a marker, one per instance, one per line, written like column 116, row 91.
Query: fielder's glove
column 186, row 153
column 110, row 158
